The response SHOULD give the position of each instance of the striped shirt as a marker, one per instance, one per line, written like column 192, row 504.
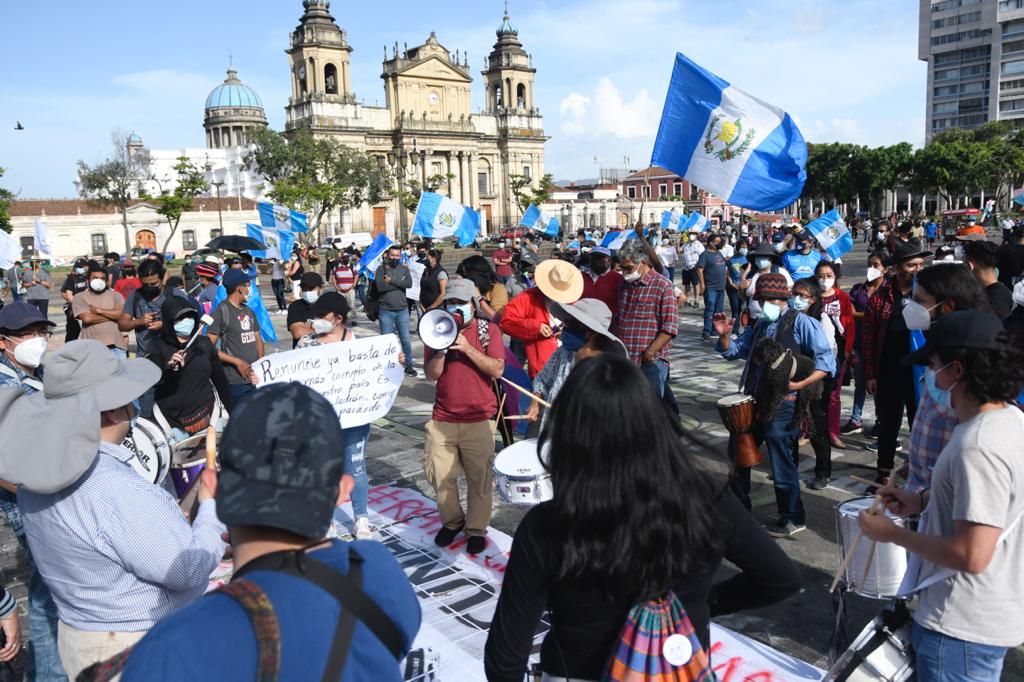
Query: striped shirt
column 116, row 551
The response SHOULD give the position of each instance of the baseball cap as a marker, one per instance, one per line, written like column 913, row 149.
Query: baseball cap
column 233, row 279
column 960, row 329
column 18, row 315
column 459, row 289
column 603, row 250
column 331, row 302
column 310, row 281
column 279, row 461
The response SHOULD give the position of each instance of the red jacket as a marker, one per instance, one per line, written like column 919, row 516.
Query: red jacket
column 522, row 319
column 846, row 319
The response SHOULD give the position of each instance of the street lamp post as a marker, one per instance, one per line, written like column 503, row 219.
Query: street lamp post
column 397, row 159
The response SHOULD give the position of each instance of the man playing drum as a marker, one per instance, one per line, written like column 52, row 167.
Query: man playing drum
column 800, row 334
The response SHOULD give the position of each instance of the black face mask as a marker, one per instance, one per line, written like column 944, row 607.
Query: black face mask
column 393, row 262
column 599, row 267
column 149, row 291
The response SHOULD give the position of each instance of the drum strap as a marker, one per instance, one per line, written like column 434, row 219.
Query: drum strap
column 858, row 656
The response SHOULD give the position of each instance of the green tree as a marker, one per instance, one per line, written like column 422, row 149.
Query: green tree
column 950, row 165
column 316, row 174
column 1001, row 168
column 6, row 197
column 410, row 197
column 190, row 184
column 117, row 180
column 525, row 193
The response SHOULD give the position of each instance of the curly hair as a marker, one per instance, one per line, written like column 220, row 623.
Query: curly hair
column 992, row 375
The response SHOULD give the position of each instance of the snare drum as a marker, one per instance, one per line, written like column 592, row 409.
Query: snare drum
column 152, row 454
column 881, row 579
column 520, row 477
column 881, row 653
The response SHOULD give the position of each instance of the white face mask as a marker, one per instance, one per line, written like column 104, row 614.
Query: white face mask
column 873, row 274
column 918, row 317
column 826, row 283
column 632, row 276
column 310, row 297
column 322, row 326
column 97, row 285
column 30, row 352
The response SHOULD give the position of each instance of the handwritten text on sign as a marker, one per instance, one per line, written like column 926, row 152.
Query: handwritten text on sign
column 360, row 378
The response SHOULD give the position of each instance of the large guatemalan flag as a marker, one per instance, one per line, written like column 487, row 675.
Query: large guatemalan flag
column 831, row 233
column 281, row 217
column 728, row 142
column 536, row 219
column 438, row 217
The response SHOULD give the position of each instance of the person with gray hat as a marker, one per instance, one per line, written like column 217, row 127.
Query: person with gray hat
column 300, row 311
column 460, row 433
column 37, row 284
column 340, row 610
column 236, row 327
column 115, row 550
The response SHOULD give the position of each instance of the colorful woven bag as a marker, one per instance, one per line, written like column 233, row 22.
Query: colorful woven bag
column 658, row 644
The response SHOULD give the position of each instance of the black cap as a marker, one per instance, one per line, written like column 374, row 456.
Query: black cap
column 310, row 281
column 904, row 251
column 331, row 302
column 281, row 461
column 764, row 250
column 19, row 315
column 81, row 262
column 960, row 329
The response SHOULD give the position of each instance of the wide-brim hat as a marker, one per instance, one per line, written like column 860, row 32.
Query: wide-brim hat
column 764, row 250
column 959, row 329
column 560, row 281
column 904, row 251
column 590, row 312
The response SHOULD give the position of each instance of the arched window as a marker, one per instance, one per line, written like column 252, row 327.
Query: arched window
column 498, row 103
column 593, row 220
column 521, row 96
column 331, row 79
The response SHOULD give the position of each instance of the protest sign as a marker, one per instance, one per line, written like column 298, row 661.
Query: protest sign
column 360, row 378
column 416, row 269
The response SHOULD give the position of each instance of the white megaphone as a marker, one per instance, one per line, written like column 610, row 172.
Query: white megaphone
column 438, row 329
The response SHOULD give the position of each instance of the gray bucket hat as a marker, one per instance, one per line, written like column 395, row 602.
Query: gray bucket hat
column 51, row 438
column 590, row 312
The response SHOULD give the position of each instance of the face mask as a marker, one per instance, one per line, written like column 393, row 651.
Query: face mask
column 799, row 303
column 599, row 267
column 763, row 263
column 880, row 237
column 873, row 274
column 184, row 327
column 322, row 326
column 741, row 251
column 917, row 317
column 30, row 352
column 79, row 271
column 97, row 285
column 632, row 276
column 941, row 396
column 826, row 283
column 780, row 247
column 461, row 310
column 149, row 291
column 572, row 341
column 771, row 311
column 310, row 297
column 393, row 262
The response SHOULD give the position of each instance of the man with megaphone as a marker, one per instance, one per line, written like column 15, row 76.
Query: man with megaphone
column 464, row 355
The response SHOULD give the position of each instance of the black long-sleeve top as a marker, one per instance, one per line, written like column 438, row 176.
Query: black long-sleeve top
column 587, row 622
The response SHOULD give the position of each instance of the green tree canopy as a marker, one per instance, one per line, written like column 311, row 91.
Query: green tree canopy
column 6, row 197
column 190, row 184
column 525, row 193
column 116, row 181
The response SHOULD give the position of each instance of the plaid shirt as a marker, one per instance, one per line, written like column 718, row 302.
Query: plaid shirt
column 932, row 429
column 881, row 307
column 646, row 307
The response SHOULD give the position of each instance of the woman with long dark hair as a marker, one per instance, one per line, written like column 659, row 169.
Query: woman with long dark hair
column 493, row 294
column 634, row 516
column 433, row 282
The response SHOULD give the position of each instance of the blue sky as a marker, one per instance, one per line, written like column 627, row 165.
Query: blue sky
column 76, row 70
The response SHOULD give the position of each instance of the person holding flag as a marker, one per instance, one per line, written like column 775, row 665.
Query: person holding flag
column 391, row 280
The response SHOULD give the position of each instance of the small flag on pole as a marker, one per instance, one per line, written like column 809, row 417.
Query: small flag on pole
column 42, row 240
column 1019, row 199
column 670, row 220
column 831, row 233
column 374, row 254
column 281, row 217
column 729, row 142
column 536, row 219
column 10, row 251
column 696, row 223
column 438, row 217
column 279, row 242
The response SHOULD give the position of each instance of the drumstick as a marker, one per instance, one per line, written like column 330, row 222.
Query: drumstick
column 211, row 448
column 525, row 392
column 865, row 481
column 518, row 416
column 873, row 510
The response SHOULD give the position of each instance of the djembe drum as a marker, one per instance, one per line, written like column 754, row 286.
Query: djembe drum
column 737, row 414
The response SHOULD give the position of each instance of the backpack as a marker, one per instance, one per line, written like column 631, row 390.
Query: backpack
column 657, row 643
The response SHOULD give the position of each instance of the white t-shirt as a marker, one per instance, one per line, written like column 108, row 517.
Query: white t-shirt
column 727, row 251
column 691, row 253
column 668, row 255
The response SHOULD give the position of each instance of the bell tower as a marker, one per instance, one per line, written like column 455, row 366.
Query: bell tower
column 319, row 56
column 509, row 75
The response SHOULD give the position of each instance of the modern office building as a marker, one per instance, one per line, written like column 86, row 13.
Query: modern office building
column 975, row 55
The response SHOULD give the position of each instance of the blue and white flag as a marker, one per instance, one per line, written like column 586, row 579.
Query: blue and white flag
column 255, row 303
column 374, row 254
column 42, row 240
column 696, row 223
column 279, row 243
column 728, row 142
column 536, row 219
column 438, row 217
column 831, row 233
column 281, row 217
column 670, row 220
column 1019, row 199
column 616, row 238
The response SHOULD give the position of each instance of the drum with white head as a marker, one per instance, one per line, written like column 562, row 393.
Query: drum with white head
column 520, row 477
column 152, row 457
column 881, row 578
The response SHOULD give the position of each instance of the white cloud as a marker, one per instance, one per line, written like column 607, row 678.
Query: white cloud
column 610, row 114
column 575, row 105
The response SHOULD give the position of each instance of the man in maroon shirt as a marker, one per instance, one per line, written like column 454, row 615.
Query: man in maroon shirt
column 460, row 433
column 600, row 281
column 502, row 258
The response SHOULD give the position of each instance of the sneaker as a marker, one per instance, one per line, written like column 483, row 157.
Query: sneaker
column 819, row 483
column 851, row 427
column 708, row 339
column 410, row 372
column 785, row 529
column 872, row 433
column 476, row 544
column 873, row 447
column 446, row 536
column 334, row 531
column 362, row 529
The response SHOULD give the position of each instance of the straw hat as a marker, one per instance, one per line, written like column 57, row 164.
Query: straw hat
column 560, row 281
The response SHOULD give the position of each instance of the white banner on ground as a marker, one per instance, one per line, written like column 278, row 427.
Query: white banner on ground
column 360, row 378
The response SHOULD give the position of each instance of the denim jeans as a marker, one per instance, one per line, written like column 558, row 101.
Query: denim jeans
column 354, row 448
column 397, row 322
column 278, row 286
column 670, row 273
column 239, row 393
column 780, row 441
column 42, row 621
column 941, row 658
column 656, row 373
column 860, row 391
column 735, row 307
column 714, row 302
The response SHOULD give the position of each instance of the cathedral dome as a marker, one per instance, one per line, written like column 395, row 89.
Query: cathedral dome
column 233, row 93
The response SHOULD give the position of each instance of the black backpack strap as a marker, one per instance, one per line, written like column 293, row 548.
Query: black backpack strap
column 346, row 627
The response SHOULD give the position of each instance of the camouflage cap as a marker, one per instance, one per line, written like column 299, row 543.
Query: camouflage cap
column 281, row 461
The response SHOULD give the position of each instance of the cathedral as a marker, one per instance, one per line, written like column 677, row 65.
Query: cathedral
column 426, row 128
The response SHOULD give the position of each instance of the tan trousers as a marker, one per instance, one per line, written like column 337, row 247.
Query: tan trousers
column 79, row 649
column 450, row 450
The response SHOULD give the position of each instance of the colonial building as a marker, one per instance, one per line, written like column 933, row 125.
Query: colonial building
column 427, row 127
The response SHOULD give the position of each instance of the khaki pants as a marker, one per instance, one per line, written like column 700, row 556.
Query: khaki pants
column 79, row 649
column 450, row 450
